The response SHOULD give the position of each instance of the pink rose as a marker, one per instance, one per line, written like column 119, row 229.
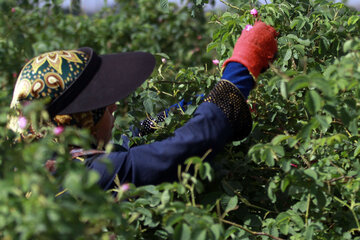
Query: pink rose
column 254, row 12
column 22, row 122
column 125, row 187
column 215, row 62
column 13, row 10
column 248, row 27
column 294, row 165
column 58, row 130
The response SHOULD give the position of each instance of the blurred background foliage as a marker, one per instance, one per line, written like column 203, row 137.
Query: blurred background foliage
column 297, row 176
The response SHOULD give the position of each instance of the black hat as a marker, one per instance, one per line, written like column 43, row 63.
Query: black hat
column 80, row 80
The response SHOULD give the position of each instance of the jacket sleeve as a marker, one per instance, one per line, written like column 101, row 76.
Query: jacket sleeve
column 158, row 162
column 224, row 115
column 234, row 72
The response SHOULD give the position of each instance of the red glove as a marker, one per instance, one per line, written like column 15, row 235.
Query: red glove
column 255, row 48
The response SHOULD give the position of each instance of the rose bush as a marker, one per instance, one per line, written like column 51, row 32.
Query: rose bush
column 297, row 176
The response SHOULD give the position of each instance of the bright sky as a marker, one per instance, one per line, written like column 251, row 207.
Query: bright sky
column 94, row 5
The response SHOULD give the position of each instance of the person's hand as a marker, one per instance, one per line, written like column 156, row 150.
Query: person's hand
column 255, row 48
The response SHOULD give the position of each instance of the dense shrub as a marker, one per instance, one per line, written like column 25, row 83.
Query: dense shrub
column 297, row 176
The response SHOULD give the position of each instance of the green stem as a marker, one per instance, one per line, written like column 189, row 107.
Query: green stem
column 192, row 195
column 172, row 82
column 307, row 210
column 245, row 201
column 351, row 209
column 206, row 154
column 249, row 231
column 229, row 5
column 354, row 214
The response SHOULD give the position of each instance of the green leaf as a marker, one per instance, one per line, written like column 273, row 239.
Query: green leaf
column 279, row 138
column 164, row 55
column 165, row 197
column 294, row 23
column 93, row 178
column 174, row 218
column 199, row 235
column 148, row 105
column 288, row 55
column 286, row 165
column 216, row 229
column 190, row 109
column 292, row 142
column 164, row 4
column 149, row 188
column 144, row 211
column 297, row 83
column 278, row 150
column 271, row 191
column 353, row 127
column 268, row 156
column 161, row 234
column 205, row 171
column 282, row 217
column 182, row 232
column 311, row 173
column 320, row 199
column 300, row 49
column 325, row 41
column 320, row 84
column 324, row 121
column 232, row 204
column 284, row 228
column 309, row 232
column 193, row 160
column 199, row 187
column 211, row 46
column 283, row 89
column 353, row 19
column 357, row 150
column 230, row 231
column 299, row 40
column 348, row 45
column 296, row 219
column 312, row 101
column 284, row 184
column 73, row 183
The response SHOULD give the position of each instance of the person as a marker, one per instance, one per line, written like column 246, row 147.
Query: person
column 83, row 88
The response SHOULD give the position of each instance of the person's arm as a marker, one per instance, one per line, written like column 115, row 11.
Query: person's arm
column 223, row 116
column 234, row 72
column 157, row 162
column 252, row 53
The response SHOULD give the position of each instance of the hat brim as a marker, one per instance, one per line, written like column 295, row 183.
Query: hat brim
column 118, row 75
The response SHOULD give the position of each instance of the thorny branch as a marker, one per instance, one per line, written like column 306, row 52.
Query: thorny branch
column 251, row 232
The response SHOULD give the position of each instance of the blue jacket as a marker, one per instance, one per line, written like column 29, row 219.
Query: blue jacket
column 158, row 162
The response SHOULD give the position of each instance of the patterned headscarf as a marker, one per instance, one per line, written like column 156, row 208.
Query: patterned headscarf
column 47, row 76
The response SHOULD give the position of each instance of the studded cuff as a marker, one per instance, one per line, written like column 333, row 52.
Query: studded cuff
column 230, row 100
column 149, row 124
